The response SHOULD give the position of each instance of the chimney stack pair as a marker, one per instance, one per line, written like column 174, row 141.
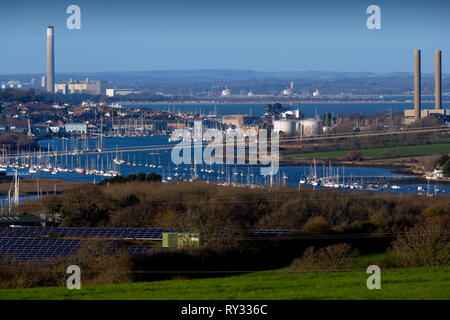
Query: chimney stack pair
column 417, row 79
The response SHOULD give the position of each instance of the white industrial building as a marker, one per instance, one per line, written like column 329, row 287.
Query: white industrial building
column 305, row 128
column 94, row 87
column 287, row 126
column 80, row 128
column 119, row 92
column 291, row 114
column 309, row 127
column 225, row 92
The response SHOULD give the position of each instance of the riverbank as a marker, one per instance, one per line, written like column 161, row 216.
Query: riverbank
column 29, row 186
column 335, row 162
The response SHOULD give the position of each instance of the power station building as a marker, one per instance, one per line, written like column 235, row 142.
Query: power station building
column 417, row 113
column 94, row 87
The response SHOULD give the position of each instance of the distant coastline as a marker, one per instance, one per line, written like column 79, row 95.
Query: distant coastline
column 269, row 101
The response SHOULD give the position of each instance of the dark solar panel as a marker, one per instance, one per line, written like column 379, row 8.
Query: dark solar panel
column 39, row 243
column 33, row 248
column 142, row 250
column 124, row 233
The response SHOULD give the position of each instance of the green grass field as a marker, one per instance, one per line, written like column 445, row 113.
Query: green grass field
column 379, row 153
column 412, row 283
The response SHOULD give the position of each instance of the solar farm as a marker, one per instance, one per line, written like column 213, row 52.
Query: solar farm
column 39, row 243
column 115, row 233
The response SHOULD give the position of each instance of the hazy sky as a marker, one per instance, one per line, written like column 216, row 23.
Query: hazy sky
column 277, row 35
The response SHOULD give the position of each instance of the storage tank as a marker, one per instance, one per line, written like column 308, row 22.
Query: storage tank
column 286, row 126
column 310, row 127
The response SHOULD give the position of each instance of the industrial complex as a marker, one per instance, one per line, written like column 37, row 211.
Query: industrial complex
column 418, row 113
column 92, row 87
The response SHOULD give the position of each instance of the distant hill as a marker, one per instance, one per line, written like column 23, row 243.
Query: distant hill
column 242, row 81
column 163, row 75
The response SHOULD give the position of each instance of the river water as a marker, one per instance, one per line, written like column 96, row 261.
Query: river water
column 153, row 154
column 308, row 110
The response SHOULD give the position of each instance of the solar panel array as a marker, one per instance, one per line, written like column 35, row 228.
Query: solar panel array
column 142, row 250
column 38, row 249
column 272, row 233
column 25, row 243
column 117, row 233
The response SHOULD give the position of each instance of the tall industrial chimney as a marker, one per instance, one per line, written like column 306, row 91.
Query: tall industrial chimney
column 417, row 84
column 437, row 80
column 50, row 61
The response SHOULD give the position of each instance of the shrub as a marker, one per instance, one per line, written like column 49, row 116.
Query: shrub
column 442, row 160
column 99, row 261
column 433, row 211
column 102, row 263
column 352, row 156
column 446, row 169
column 316, row 226
column 426, row 244
column 331, row 258
column 85, row 207
column 18, row 274
column 382, row 221
column 151, row 177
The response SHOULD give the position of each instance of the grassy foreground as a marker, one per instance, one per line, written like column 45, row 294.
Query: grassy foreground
column 412, row 283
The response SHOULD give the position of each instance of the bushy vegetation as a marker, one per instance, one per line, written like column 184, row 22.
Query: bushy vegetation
column 151, row 177
column 317, row 226
column 331, row 258
column 12, row 141
column 444, row 163
column 98, row 263
column 17, row 274
column 324, row 220
column 426, row 244
column 352, row 156
column 210, row 208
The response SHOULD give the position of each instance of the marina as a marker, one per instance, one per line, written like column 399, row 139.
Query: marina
column 257, row 109
column 77, row 160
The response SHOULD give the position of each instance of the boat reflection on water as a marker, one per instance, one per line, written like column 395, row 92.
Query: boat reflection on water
column 124, row 156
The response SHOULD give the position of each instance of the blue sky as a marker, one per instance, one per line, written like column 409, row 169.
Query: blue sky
column 282, row 35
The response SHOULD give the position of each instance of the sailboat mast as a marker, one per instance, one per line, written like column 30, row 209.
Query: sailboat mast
column 16, row 189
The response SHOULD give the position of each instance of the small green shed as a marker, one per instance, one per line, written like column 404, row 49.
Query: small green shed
column 180, row 239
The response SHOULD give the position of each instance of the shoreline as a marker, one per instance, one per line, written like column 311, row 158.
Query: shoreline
column 269, row 102
column 28, row 186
